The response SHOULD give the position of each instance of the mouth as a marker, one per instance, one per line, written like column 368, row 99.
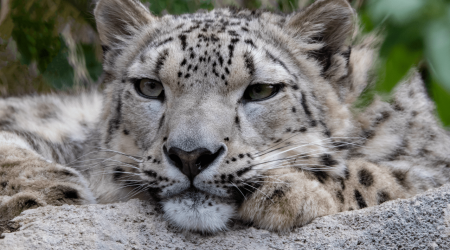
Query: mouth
column 198, row 211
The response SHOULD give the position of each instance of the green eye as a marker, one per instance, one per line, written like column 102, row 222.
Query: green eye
column 259, row 92
column 149, row 88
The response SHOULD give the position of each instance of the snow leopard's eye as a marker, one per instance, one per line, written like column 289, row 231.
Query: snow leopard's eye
column 259, row 92
column 149, row 88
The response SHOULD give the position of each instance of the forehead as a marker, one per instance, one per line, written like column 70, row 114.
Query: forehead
column 220, row 46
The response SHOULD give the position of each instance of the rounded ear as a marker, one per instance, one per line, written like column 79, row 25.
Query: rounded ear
column 328, row 22
column 117, row 20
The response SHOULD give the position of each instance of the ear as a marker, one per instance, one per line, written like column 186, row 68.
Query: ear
column 117, row 20
column 325, row 22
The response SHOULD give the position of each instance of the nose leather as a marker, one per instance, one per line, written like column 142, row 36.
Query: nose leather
column 193, row 162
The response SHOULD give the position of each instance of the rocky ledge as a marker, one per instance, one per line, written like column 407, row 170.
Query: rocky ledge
column 422, row 222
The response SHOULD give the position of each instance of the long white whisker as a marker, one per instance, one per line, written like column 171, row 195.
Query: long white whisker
column 259, row 191
column 121, row 153
column 239, row 190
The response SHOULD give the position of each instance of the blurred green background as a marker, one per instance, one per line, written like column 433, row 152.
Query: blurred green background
column 52, row 45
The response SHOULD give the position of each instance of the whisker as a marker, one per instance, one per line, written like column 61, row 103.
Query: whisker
column 135, row 191
column 135, row 158
column 322, row 140
column 275, row 144
column 259, row 191
column 239, row 190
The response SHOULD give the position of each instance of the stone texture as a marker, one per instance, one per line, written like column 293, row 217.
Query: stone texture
column 422, row 222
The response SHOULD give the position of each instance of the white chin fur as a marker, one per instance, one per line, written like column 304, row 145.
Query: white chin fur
column 198, row 212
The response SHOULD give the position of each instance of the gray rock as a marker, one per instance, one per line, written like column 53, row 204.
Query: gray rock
column 422, row 222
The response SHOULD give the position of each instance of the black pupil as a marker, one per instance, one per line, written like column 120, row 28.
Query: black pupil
column 152, row 85
column 258, row 88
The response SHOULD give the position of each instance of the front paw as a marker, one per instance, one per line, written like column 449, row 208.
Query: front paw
column 28, row 181
column 287, row 198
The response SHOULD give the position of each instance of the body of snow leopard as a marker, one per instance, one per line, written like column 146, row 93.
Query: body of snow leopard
column 277, row 162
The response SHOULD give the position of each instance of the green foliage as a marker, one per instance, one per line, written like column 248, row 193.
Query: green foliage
column 59, row 73
column 35, row 29
column 177, row 7
column 287, row 5
column 417, row 33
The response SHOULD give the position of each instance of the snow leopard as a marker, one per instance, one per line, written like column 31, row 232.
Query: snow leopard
column 225, row 115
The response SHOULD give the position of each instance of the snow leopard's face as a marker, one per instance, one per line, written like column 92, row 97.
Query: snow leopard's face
column 212, row 101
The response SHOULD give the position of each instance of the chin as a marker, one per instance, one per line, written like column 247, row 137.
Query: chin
column 198, row 212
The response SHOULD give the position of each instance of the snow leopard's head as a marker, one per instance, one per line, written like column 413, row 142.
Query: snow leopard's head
column 210, row 102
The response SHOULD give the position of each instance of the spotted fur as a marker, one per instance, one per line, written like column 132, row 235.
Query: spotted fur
column 278, row 163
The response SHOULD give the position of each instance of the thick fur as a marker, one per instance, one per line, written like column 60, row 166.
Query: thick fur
column 280, row 163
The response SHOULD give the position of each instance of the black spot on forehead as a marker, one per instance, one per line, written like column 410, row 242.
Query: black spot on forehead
column 249, row 63
column 160, row 61
column 183, row 38
column 250, row 42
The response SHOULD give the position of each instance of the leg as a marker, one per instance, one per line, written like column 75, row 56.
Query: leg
column 27, row 180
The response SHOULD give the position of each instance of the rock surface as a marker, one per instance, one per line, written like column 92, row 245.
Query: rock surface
column 422, row 222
